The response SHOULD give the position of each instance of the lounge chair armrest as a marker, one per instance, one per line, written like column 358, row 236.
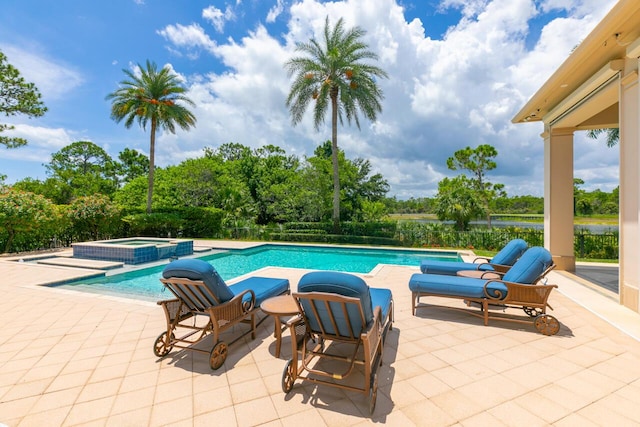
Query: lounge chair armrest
column 373, row 335
column 297, row 330
column 519, row 293
column 500, row 269
column 490, row 274
column 233, row 309
column 481, row 260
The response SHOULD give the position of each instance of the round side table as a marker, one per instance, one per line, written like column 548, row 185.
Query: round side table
column 280, row 306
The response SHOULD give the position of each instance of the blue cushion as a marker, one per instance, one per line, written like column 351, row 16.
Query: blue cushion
column 450, row 268
column 197, row 269
column 263, row 287
column 381, row 297
column 341, row 284
column 510, row 253
column 338, row 283
column 507, row 256
column 465, row 287
column 530, row 266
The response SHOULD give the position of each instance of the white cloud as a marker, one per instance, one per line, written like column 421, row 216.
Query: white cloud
column 469, row 8
column 275, row 11
column 443, row 95
column 53, row 79
column 188, row 37
column 217, row 17
column 42, row 137
column 42, row 143
column 578, row 8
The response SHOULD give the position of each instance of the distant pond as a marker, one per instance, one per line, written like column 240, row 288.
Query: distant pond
column 593, row 228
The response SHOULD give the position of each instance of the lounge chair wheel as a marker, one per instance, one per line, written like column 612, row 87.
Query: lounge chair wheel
column 288, row 376
column 373, row 393
column 160, row 347
column 532, row 311
column 218, row 355
column 547, row 324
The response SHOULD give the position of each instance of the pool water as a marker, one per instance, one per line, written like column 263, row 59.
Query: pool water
column 145, row 284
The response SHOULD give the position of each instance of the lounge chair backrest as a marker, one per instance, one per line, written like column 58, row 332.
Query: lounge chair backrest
column 196, row 269
column 530, row 266
column 510, row 253
column 342, row 284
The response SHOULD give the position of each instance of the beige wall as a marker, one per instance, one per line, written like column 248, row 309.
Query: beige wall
column 558, row 197
column 629, row 279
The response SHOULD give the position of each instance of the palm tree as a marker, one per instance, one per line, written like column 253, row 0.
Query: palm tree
column 334, row 74
column 151, row 96
column 613, row 135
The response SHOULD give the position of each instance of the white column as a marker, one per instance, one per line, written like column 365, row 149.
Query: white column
column 558, row 196
column 629, row 276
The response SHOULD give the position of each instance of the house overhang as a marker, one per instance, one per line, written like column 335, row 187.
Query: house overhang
column 583, row 92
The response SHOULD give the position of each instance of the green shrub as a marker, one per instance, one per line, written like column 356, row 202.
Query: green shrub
column 27, row 221
column 201, row 222
column 180, row 222
column 153, row 225
column 93, row 217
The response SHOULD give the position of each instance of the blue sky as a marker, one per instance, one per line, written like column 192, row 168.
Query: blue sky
column 459, row 71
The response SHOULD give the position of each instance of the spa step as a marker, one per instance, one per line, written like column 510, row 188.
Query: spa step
column 82, row 263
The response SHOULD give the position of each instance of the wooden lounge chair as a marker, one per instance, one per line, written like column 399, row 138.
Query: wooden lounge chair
column 521, row 287
column 501, row 262
column 205, row 305
column 338, row 308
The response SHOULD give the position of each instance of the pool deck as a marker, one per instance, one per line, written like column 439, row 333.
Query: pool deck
column 69, row 358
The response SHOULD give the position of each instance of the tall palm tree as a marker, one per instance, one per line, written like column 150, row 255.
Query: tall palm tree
column 333, row 74
column 154, row 97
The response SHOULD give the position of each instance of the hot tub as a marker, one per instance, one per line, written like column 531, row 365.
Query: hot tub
column 134, row 250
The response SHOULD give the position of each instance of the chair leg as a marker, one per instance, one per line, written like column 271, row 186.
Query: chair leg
column 253, row 326
column 485, row 309
column 414, row 298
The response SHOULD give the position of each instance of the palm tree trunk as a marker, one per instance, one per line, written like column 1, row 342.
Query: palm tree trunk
column 152, row 149
column 334, row 160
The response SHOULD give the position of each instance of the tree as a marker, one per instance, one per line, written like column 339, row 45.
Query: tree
column 457, row 201
column 478, row 161
column 152, row 97
column 269, row 178
column 85, row 169
column 16, row 97
column 132, row 164
column 612, row 135
column 334, row 74
column 357, row 184
column 52, row 188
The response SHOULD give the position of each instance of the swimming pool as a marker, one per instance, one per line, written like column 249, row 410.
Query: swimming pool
column 145, row 284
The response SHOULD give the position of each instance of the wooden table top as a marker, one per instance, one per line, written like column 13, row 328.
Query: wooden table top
column 282, row 305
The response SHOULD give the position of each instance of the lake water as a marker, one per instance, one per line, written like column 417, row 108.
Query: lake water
column 593, row 228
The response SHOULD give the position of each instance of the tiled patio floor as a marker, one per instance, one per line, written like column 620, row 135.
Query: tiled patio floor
column 69, row 358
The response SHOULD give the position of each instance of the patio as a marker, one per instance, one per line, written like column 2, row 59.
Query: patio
column 70, row 358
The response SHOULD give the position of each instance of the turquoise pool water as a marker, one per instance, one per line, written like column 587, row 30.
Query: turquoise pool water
column 145, row 284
